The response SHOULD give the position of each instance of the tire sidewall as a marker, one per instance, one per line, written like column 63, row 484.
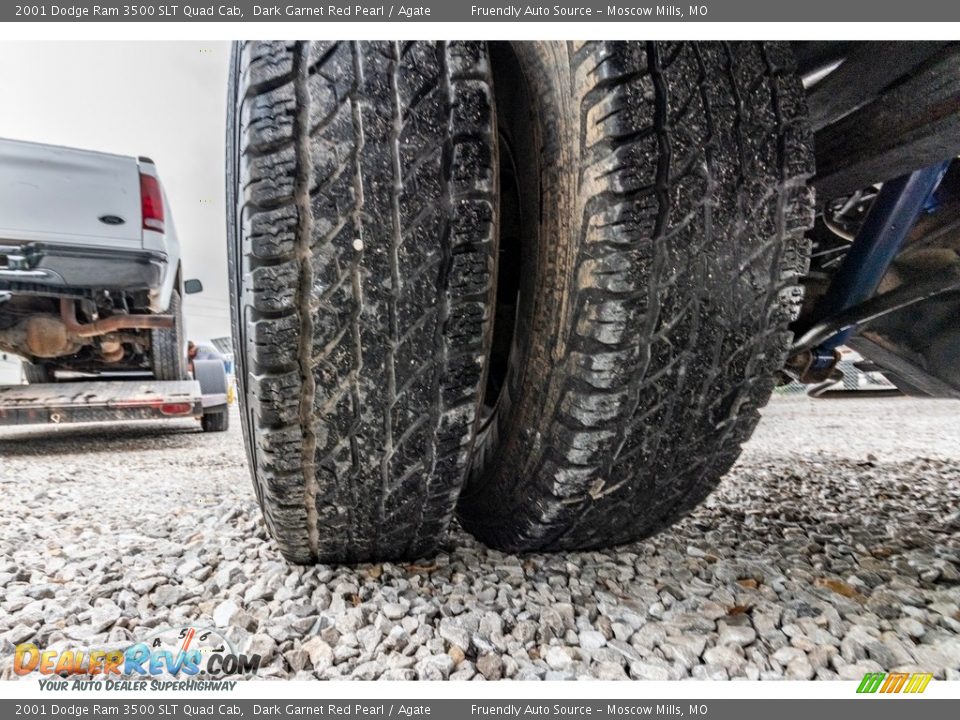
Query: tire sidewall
column 547, row 263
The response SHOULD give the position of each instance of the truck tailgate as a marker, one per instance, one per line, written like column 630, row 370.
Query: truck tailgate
column 69, row 197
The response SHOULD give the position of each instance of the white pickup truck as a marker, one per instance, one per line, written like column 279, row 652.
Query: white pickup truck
column 90, row 289
column 90, row 275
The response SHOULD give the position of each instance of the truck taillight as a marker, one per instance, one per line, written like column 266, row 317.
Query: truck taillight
column 151, row 203
column 175, row 408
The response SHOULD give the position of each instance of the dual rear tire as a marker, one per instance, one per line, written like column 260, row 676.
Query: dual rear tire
column 37, row 373
column 645, row 203
column 168, row 350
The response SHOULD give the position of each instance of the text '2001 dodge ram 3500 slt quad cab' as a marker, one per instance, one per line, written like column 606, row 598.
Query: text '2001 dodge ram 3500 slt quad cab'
column 90, row 277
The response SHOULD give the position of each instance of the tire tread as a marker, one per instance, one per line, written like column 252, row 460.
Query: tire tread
column 367, row 213
column 688, row 245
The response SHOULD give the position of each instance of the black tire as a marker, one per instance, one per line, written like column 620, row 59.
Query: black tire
column 660, row 281
column 36, row 374
column 215, row 420
column 363, row 260
column 168, row 353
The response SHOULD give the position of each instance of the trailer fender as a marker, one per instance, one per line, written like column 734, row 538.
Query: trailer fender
column 212, row 377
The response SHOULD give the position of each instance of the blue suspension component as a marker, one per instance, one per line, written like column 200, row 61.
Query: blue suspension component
column 892, row 216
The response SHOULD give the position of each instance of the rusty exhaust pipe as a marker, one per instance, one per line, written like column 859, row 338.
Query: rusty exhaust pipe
column 68, row 313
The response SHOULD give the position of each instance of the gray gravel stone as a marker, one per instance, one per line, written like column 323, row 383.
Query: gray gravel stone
column 434, row 667
column 19, row 634
column 104, row 615
column 454, row 633
column 640, row 670
column 223, row 613
column 297, row 659
column 726, row 657
column 610, row 671
column 370, row 670
column 394, row 611
column 592, row 640
column 799, row 669
column 911, row 627
column 558, row 658
column 320, row 654
column 710, row 672
column 734, row 635
column 793, row 569
column 490, row 666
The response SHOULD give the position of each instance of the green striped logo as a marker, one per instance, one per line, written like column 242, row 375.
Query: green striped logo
column 871, row 682
column 913, row 683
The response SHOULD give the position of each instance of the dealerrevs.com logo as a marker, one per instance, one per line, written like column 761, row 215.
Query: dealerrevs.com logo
column 171, row 652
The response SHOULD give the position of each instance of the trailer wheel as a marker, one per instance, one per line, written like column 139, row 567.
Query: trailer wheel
column 215, row 420
column 661, row 220
column 167, row 347
column 362, row 187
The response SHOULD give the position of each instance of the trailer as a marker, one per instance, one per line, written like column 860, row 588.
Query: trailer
column 109, row 400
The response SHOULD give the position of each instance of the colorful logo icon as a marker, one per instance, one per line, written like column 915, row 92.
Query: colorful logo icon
column 913, row 683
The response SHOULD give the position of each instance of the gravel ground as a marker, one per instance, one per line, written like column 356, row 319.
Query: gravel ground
column 831, row 550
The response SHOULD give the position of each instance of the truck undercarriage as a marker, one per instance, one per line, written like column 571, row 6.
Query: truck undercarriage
column 884, row 276
column 81, row 335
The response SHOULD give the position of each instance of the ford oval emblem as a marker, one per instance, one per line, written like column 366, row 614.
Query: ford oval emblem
column 111, row 220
